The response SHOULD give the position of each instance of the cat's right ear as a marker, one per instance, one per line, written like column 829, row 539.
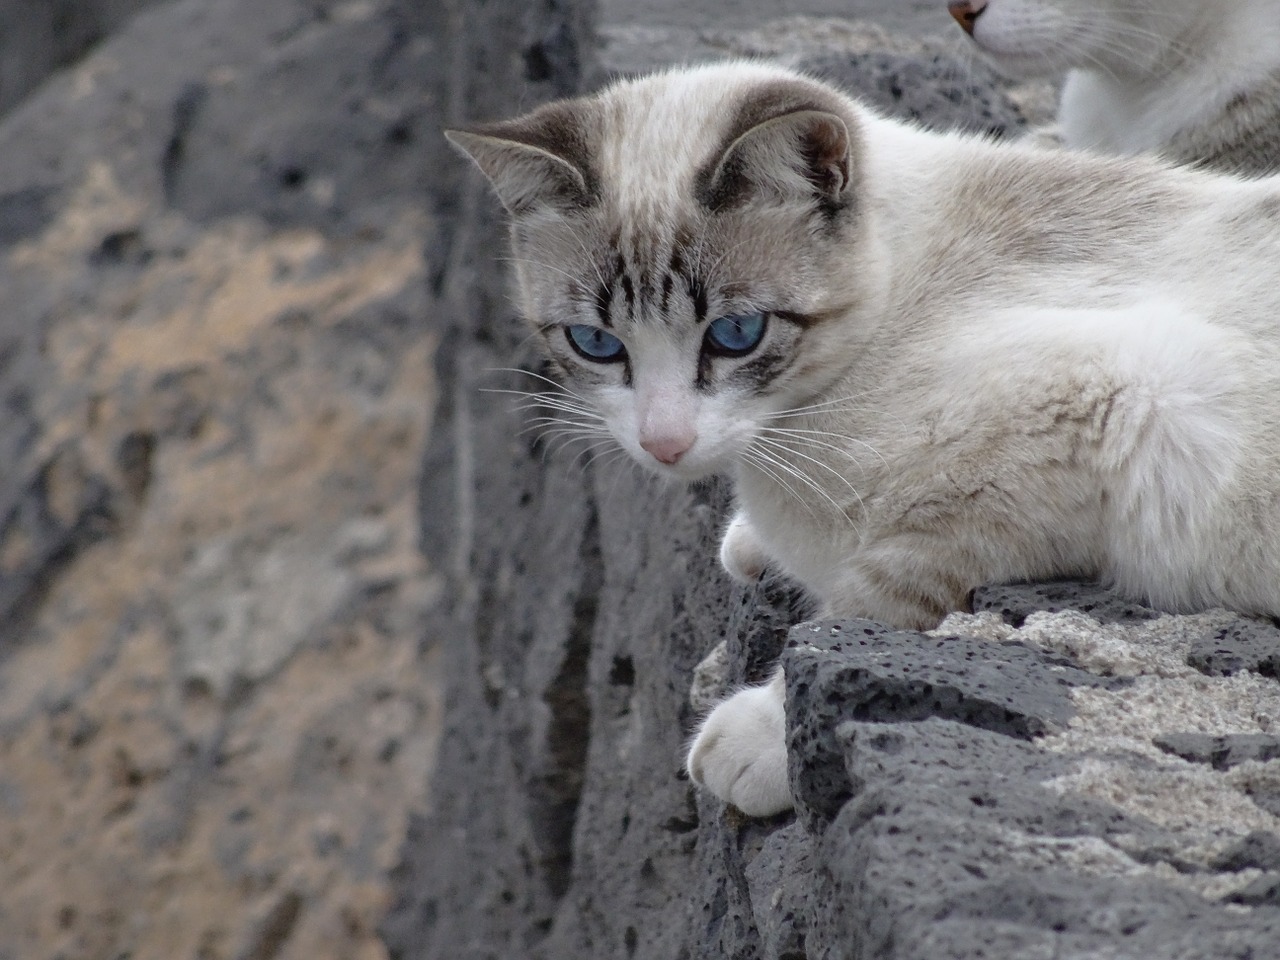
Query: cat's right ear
column 538, row 160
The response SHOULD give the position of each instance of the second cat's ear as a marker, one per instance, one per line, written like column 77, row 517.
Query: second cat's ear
column 540, row 159
column 804, row 152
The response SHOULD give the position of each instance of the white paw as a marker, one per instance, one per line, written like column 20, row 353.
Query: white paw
column 740, row 552
column 740, row 754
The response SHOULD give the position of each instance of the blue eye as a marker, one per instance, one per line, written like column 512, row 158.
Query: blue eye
column 594, row 343
column 737, row 335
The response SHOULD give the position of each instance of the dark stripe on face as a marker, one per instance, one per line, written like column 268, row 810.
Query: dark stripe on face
column 604, row 301
column 676, row 268
column 624, row 281
column 762, row 370
column 629, row 292
column 698, row 294
column 806, row 321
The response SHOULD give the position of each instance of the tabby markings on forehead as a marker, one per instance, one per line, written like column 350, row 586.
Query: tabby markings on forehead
column 639, row 285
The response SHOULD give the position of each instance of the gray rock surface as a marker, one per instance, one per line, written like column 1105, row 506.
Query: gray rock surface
column 952, row 839
column 1243, row 645
column 38, row 37
column 937, row 90
column 860, row 669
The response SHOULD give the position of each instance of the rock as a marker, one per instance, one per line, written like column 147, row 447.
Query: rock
column 1258, row 850
column 1015, row 602
column 1222, row 752
column 216, row 372
column 861, row 670
column 959, row 847
column 38, row 38
column 1244, row 645
column 939, row 91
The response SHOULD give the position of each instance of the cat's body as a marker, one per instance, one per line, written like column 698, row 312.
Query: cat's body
column 974, row 362
column 1194, row 81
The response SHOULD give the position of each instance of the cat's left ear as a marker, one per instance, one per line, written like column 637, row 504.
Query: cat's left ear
column 540, row 159
column 802, row 152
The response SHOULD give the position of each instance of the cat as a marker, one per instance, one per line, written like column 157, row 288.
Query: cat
column 927, row 361
column 1195, row 81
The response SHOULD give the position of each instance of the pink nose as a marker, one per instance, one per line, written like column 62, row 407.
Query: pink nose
column 667, row 450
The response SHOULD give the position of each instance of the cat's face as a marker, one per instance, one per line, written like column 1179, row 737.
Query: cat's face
column 680, row 275
column 1044, row 38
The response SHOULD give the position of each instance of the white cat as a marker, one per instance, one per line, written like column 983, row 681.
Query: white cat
column 927, row 361
column 1194, row 80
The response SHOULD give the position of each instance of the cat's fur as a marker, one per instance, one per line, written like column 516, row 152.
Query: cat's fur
column 982, row 362
column 1192, row 80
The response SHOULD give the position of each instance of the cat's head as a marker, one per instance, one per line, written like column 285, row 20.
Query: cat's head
column 1045, row 38
column 683, row 245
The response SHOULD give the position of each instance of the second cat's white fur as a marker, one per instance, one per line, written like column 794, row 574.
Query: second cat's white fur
column 981, row 362
column 1194, row 80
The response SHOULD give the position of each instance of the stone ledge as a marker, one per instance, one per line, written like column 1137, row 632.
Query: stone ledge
column 943, row 824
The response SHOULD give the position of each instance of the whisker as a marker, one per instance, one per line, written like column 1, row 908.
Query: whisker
column 802, row 477
column 541, row 403
column 531, row 400
column 565, row 447
column 545, row 266
column 810, row 437
column 777, row 444
column 764, row 465
column 811, row 407
column 587, row 258
column 606, row 454
column 537, row 376
column 534, row 422
column 548, row 434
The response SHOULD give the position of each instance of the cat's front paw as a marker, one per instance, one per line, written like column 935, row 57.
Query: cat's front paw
column 740, row 753
column 740, row 552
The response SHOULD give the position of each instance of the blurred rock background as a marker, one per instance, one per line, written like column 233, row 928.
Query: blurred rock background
column 217, row 694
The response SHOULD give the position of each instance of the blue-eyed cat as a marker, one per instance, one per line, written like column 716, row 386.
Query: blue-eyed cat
column 927, row 361
column 1195, row 81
